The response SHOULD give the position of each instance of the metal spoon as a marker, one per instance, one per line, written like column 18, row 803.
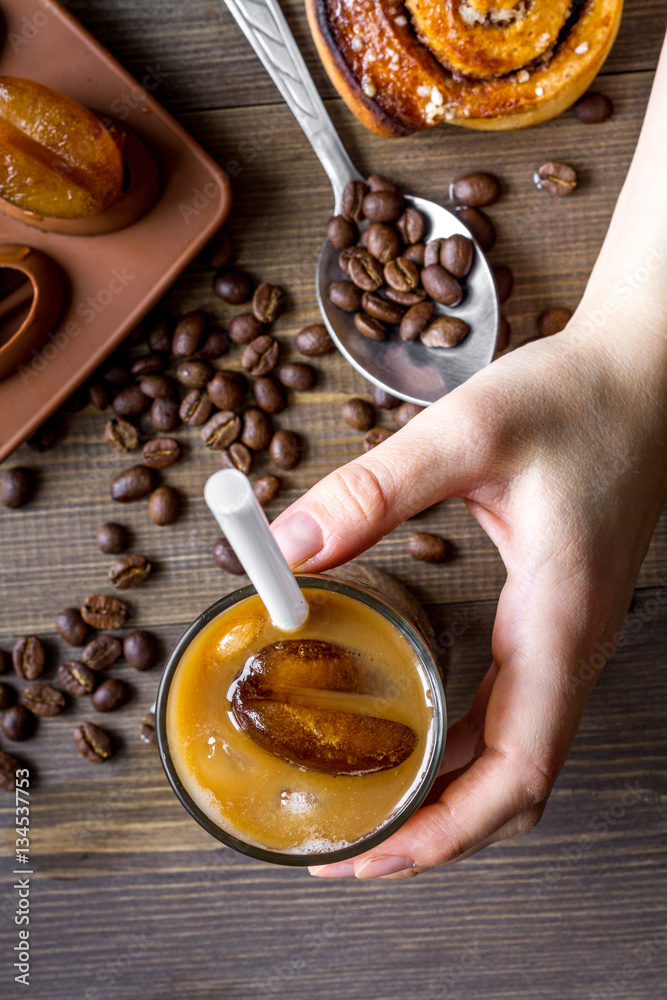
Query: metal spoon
column 410, row 371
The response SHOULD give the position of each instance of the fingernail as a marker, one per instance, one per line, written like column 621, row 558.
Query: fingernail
column 377, row 867
column 299, row 537
column 340, row 869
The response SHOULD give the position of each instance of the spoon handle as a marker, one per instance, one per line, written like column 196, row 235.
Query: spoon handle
column 264, row 25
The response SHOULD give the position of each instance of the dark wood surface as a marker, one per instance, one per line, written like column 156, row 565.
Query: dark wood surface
column 130, row 898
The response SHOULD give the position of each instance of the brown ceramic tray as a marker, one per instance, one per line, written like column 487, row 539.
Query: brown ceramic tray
column 111, row 280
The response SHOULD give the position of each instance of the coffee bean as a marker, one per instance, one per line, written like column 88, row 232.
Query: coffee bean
column 374, row 329
column 44, row 700
column 18, row 723
column 379, row 308
column 5, row 660
column 416, row 253
column 16, row 488
column 352, row 201
column 92, row 742
column 28, row 657
column 445, row 331
column 266, row 489
column 432, row 252
column 129, row 571
column 225, row 558
column 358, row 414
column 553, row 320
column 441, row 285
column 237, row 456
column 415, row 320
column 140, row 649
column 476, row 190
column 188, row 334
column 375, row 436
column 384, row 400
column 286, row 449
column 221, row 250
column 268, row 302
column 132, row 484
column 556, row 178
column 159, row 338
column 378, row 182
column 428, row 548
column 504, row 333
column 98, row 395
column 164, row 505
column 195, row 408
column 411, row 225
column 365, row 271
column 269, row 394
column 345, row 295
column 165, row 414
column 194, row 374
column 9, row 765
column 232, row 286
column 298, row 375
column 406, row 412
column 353, row 253
column 221, row 430
column 214, row 346
column 401, row 275
column 147, row 732
column 457, row 254
column 261, row 355
column 104, row 612
column 46, row 436
column 504, row 279
column 383, row 206
column 117, row 375
column 406, row 299
column 314, row 341
column 76, row 678
column 102, row 652
column 148, row 364
column 6, row 696
column 245, row 327
column 158, row 386
column 227, row 390
column 70, row 626
column 130, row 401
column 382, row 242
column 76, row 402
column 257, row 429
column 121, row 435
column 341, row 232
column 480, row 226
column 594, row 108
column 158, row 453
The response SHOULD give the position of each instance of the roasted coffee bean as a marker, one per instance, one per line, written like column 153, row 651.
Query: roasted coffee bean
column 269, row 394
column 121, row 435
column 352, row 200
column 221, row 250
column 98, row 395
column 71, row 627
column 147, row 732
column 148, row 364
column 257, row 429
column 28, row 657
column 76, row 678
column 298, row 375
column 268, row 302
column 16, row 488
column 504, row 279
column 102, row 652
column 117, row 375
column 130, row 401
column 411, row 225
column 227, row 390
column 188, row 334
column 194, row 374
column 383, row 206
column 195, row 408
column 457, row 254
column 233, row 286
column 5, row 660
column 358, row 414
column 406, row 412
column 384, row 400
column 129, row 571
column 365, row 271
column 379, row 308
column 415, row 320
column 104, row 612
column 314, row 341
column 341, row 232
column 378, row 182
column 445, row 331
column 416, row 253
column 158, row 453
column 286, row 449
column 441, row 285
column 382, row 242
column 18, row 723
column 76, row 402
column 164, row 505
column 266, row 489
column 221, row 430
column 237, row 456
column 214, row 346
column 401, row 274
column 504, row 333
column 225, row 558
column 553, row 320
column 159, row 338
column 345, row 295
column 7, row 695
column 480, row 225
column 352, row 253
column 140, row 649
column 476, row 190
column 406, row 299
column 46, row 436
column 244, row 328
column 261, row 355
column 594, row 108
column 158, row 386
column 92, row 742
column 556, row 178
column 432, row 252
column 165, row 414
column 42, row 699
column 374, row 329
column 428, row 548
column 9, row 765
column 132, row 484
column 375, row 436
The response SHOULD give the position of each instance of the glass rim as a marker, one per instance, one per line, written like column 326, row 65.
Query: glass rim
column 412, row 803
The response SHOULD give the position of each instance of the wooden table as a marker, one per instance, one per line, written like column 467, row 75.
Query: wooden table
column 130, row 899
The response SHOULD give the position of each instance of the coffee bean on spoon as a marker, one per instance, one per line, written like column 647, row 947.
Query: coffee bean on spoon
column 476, row 190
column 480, row 226
column 416, row 252
column 70, row 626
column 140, row 649
column 111, row 695
column 406, row 412
column 432, row 251
column 358, row 413
column 257, row 429
column 245, row 327
column 103, row 611
column 196, row 408
column 378, row 182
column 365, row 271
column 165, row 415
column 266, row 489
column 227, row 390
column 269, row 394
column 237, row 456
column 221, row 430
column 298, row 375
column 188, row 334
column 194, row 374
column 159, row 453
column 225, row 558
column 556, row 178
column 379, row 308
column 93, row 742
column 445, row 331
column 504, row 279
column 427, row 547
column 415, row 320
column 376, row 436
column 233, row 286
column 286, row 449
column 132, row 484
column 341, row 232
column 358, row 252
column 345, row 295
column 18, row 723
column 158, row 386
column 164, row 505
column 411, row 225
column 129, row 571
column 402, row 275
column 354, row 193
column 130, row 401
column 9, row 765
column 260, row 355
column 383, row 206
column 382, row 242
column 374, row 329
column 441, row 285
column 268, row 302
column 76, row 678
column 121, row 435
column 314, row 341
column 457, row 254
column 102, row 652
column 29, row 657
column 43, row 699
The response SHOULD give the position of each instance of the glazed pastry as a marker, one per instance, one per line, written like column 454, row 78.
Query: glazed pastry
column 486, row 64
